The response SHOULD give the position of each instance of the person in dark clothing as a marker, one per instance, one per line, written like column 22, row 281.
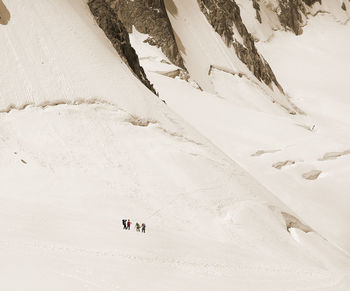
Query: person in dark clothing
column 128, row 224
column 124, row 223
column 143, row 228
column 137, row 227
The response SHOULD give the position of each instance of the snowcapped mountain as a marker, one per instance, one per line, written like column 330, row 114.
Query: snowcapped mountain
column 240, row 176
column 296, row 41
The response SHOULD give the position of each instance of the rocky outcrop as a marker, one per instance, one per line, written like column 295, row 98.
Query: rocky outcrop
column 149, row 17
column 293, row 15
column 4, row 14
column 280, row 165
column 114, row 29
column 293, row 12
column 343, row 6
column 312, row 175
column 334, row 155
column 293, row 222
column 224, row 15
column 256, row 6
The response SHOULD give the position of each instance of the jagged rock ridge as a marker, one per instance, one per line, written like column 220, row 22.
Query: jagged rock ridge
column 149, row 17
column 293, row 12
column 223, row 15
column 114, row 29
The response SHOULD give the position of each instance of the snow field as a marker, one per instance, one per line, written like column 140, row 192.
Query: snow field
column 242, row 122
column 207, row 223
column 84, row 144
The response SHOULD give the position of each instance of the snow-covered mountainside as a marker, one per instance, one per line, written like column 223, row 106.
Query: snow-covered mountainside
column 301, row 158
column 85, row 142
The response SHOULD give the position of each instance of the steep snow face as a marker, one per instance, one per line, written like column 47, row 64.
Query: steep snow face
column 304, row 159
column 320, row 86
column 94, row 146
column 299, row 158
column 49, row 57
column 261, row 30
column 203, row 49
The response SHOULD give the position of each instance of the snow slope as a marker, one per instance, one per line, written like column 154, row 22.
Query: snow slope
column 62, row 57
column 202, row 48
column 262, row 138
column 269, row 10
column 83, row 144
column 74, row 171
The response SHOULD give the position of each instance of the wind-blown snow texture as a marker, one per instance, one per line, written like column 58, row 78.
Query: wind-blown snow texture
column 84, row 144
column 242, row 122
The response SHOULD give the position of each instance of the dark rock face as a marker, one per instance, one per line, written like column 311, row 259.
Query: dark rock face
column 4, row 14
column 114, row 29
column 257, row 9
column 343, row 6
column 223, row 15
column 291, row 13
column 149, row 17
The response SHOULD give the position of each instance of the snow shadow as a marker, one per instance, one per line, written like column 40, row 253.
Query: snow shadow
column 4, row 14
column 180, row 44
column 171, row 7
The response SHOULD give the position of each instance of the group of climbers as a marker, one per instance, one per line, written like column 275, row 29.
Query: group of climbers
column 127, row 224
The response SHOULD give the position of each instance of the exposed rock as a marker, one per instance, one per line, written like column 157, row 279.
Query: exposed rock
column 334, row 155
column 292, row 13
column 114, row 29
column 280, row 165
column 293, row 222
column 136, row 121
column 343, row 6
column 311, row 2
column 149, row 17
column 257, row 9
column 223, row 15
column 312, row 175
column 4, row 14
column 180, row 73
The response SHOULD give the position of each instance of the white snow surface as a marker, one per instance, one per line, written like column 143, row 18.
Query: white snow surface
column 62, row 57
column 83, row 144
column 74, row 171
column 313, row 69
column 202, row 48
column 269, row 10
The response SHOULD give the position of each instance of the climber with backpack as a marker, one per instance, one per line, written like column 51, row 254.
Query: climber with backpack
column 128, row 224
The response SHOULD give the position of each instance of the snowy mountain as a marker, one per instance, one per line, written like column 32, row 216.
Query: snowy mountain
column 85, row 142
